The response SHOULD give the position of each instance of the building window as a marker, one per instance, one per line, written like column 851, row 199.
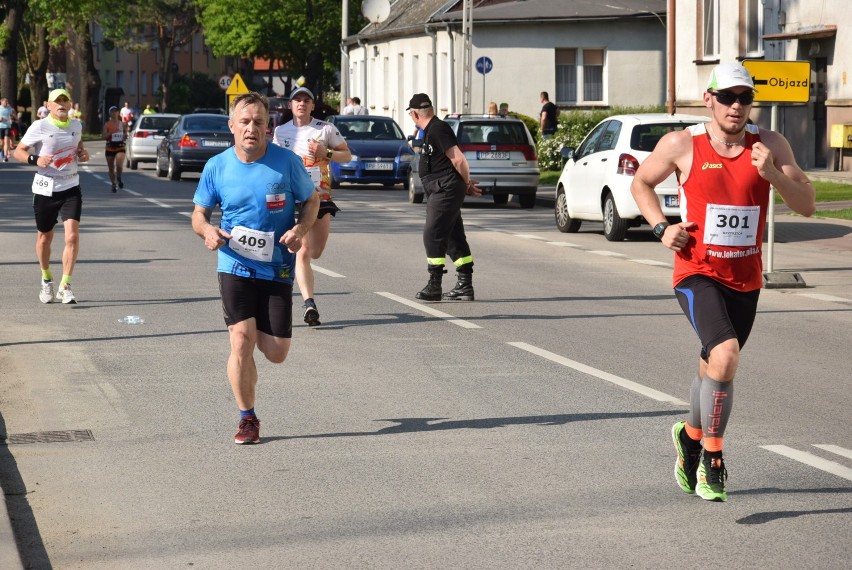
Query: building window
column 754, row 27
column 579, row 76
column 119, row 79
column 132, row 82
column 710, row 29
column 155, row 83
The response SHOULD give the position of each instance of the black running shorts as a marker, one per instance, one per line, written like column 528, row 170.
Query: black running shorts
column 68, row 204
column 717, row 313
column 270, row 303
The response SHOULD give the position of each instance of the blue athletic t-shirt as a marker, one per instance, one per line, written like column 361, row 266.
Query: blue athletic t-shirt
column 258, row 199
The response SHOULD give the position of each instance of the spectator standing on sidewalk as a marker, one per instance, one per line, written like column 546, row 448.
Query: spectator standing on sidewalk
column 724, row 169
column 55, row 145
column 256, row 185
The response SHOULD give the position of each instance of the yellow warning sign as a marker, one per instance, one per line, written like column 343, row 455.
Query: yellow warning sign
column 237, row 86
column 780, row 81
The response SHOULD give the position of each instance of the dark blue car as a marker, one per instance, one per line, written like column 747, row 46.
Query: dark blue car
column 380, row 153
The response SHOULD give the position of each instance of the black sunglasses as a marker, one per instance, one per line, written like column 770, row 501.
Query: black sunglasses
column 727, row 98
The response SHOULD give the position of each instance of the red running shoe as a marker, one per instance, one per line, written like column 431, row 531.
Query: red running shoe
column 248, row 431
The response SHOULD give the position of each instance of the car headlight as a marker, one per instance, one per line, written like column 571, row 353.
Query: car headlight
column 406, row 157
column 354, row 158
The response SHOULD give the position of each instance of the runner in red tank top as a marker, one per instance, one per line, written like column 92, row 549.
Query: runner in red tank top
column 724, row 168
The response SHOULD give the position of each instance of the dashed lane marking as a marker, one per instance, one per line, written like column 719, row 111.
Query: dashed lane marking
column 328, row 272
column 606, row 253
column 562, row 244
column 836, row 449
column 653, row 262
column 823, row 297
column 811, row 459
column 617, row 380
column 429, row 311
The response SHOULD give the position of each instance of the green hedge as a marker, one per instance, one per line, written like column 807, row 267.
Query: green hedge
column 572, row 128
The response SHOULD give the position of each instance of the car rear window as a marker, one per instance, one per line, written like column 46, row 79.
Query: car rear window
column 491, row 132
column 157, row 123
column 208, row 124
column 646, row 137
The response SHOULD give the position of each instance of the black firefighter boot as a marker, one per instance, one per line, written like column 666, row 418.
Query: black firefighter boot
column 432, row 290
column 463, row 291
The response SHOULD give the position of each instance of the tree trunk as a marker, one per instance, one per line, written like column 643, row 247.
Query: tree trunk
column 9, row 52
column 89, row 90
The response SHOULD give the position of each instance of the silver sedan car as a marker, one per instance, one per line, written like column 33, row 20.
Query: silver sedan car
column 145, row 137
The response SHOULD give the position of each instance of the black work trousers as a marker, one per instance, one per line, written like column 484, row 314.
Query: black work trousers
column 444, row 231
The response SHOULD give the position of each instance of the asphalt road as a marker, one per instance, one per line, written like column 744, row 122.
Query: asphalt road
column 529, row 429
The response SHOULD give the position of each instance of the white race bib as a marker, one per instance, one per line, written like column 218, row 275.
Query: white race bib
column 117, row 137
column 43, row 185
column 734, row 226
column 316, row 175
column 252, row 244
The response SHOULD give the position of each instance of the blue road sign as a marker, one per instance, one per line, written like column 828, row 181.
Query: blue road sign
column 484, row 65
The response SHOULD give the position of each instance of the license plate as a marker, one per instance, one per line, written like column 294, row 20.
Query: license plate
column 492, row 155
column 378, row 166
column 672, row 201
column 215, row 143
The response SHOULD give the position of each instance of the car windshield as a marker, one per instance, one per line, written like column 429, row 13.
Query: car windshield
column 646, row 137
column 207, row 124
column 369, row 129
column 157, row 123
column 491, row 132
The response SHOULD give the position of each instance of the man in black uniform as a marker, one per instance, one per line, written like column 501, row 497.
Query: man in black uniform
column 446, row 180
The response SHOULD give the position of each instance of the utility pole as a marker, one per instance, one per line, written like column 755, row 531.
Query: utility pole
column 467, row 54
column 344, row 55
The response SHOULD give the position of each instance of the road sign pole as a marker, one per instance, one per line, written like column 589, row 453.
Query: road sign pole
column 770, row 253
column 483, row 94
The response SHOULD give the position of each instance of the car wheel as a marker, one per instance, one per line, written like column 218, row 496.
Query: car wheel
column 564, row 222
column 501, row 198
column 160, row 172
column 174, row 169
column 133, row 164
column 413, row 196
column 335, row 183
column 527, row 200
column 615, row 227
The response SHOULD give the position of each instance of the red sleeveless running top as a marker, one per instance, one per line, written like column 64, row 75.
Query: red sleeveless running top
column 727, row 199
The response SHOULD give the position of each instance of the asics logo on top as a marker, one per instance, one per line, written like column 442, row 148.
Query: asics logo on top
column 707, row 165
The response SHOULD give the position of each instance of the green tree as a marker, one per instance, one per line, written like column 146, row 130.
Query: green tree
column 168, row 24
column 303, row 35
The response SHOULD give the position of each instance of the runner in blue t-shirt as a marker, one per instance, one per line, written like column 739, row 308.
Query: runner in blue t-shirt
column 256, row 186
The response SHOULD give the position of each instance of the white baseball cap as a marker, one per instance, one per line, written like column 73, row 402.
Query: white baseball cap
column 726, row 75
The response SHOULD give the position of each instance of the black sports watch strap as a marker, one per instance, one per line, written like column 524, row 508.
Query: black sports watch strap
column 660, row 229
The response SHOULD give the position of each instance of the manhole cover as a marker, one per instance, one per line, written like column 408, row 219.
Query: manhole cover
column 64, row 436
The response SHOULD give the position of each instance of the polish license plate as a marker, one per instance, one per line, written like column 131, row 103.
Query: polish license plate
column 672, row 201
column 214, row 143
column 492, row 155
column 378, row 166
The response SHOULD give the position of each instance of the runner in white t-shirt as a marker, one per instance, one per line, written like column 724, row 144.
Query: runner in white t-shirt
column 55, row 145
column 318, row 143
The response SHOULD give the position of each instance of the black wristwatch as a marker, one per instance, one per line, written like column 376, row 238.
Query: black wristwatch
column 660, row 229
column 329, row 153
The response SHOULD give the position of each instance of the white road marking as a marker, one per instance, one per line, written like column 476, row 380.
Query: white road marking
column 429, row 310
column 606, row 253
column 530, row 236
column 811, row 459
column 158, row 203
column 836, row 449
column 822, row 297
column 562, row 244
column 617, row 380
column 328, row 272
column 651, row 262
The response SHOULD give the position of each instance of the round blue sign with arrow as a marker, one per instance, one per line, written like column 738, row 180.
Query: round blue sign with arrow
column 484, row 65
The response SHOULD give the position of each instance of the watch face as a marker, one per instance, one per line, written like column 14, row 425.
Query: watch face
column 660, row 229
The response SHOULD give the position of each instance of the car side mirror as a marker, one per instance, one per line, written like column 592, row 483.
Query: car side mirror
column 567, row 153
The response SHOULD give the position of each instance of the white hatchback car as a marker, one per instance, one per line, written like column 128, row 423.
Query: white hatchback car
column 145, row 137
column 595, row 182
